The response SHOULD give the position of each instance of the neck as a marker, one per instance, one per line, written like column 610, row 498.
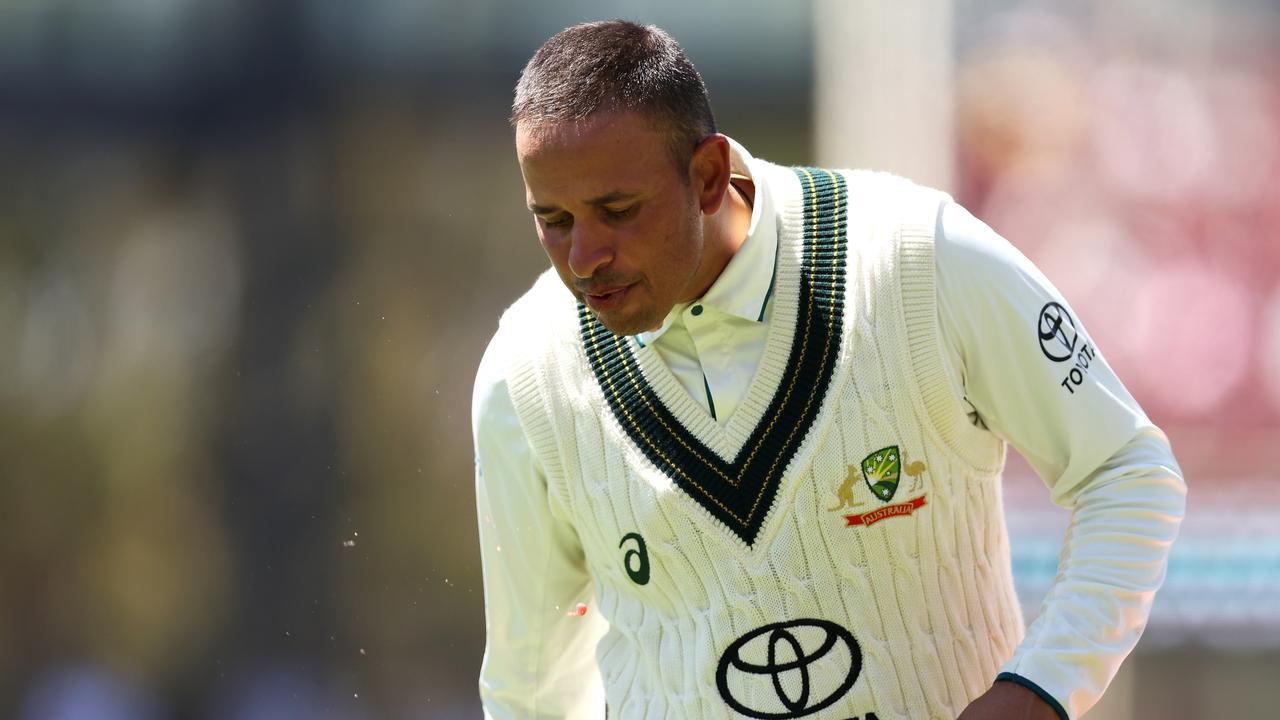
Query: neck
column 726, row 230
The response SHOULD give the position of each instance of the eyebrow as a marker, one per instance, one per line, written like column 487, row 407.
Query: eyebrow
column 605, row 199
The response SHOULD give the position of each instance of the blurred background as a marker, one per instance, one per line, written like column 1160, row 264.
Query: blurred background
column 251, row 253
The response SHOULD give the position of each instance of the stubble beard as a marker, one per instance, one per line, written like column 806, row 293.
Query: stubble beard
column 631, row 324
column 650, row 317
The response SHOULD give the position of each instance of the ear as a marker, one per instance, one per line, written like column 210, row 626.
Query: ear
column 709, row 172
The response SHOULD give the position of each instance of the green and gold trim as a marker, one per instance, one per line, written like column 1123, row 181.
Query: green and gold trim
column 739, row 493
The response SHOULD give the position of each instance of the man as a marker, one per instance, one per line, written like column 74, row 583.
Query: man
column 738, row 454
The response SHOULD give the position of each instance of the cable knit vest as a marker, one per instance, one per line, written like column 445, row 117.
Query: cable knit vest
column 836, row 548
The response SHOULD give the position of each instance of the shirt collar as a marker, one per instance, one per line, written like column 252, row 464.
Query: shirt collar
column 743, row 287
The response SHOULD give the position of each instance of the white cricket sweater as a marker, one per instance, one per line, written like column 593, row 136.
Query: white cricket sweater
column 837, row 548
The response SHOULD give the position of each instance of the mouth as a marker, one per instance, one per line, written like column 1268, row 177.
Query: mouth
column 605, row 299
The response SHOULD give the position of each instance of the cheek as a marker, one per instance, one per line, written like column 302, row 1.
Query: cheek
column 557, row 249
column 554, row 245
column 673, row 261
column 684, row 245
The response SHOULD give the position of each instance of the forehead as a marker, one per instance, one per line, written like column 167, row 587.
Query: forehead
column 598, row 130
column 614, row 146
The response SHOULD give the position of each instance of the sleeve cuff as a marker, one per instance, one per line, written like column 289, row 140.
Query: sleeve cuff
column 1053, row 703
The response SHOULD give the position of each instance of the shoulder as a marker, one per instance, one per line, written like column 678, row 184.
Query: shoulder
column 547, row 300
column 894, row 197
column 973, row 258
column 869, row 199
column 883, row 200
column 526, row 327
column 543, row 315
column 893, row 223
column 491, row 405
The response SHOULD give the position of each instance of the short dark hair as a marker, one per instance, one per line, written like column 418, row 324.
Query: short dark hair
column 616, row 65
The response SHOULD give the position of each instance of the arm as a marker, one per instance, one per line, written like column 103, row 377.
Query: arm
column 539, row 659
column 1090, row 443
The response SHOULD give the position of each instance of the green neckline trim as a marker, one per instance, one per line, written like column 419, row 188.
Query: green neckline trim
column 739, row 493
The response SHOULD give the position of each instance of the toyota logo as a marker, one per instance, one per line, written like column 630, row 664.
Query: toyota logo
column 789, row 669
column 1057, row 332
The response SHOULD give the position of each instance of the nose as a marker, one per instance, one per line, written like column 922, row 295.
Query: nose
column 589, row 250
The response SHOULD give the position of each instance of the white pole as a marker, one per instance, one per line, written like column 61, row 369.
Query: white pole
column 883, row 87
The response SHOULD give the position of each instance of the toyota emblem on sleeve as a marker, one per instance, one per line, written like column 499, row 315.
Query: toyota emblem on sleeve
column 1057, row 332
column 789, row 669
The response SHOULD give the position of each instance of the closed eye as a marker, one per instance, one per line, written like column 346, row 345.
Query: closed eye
column 622, row 214
column 559, row 221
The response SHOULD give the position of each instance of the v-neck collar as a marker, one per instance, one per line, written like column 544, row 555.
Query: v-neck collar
column 734, row 471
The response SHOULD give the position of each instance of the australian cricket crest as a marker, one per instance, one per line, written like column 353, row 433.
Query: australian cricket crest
column 881, row 471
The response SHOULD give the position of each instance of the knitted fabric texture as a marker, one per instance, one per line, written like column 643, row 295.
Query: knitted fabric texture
column 874, row 576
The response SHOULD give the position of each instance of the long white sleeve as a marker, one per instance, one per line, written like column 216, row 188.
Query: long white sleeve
column 539, row 659
column 1064, row 409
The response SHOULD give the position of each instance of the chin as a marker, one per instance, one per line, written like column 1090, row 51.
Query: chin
column 620, row 326
column 626, row 325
